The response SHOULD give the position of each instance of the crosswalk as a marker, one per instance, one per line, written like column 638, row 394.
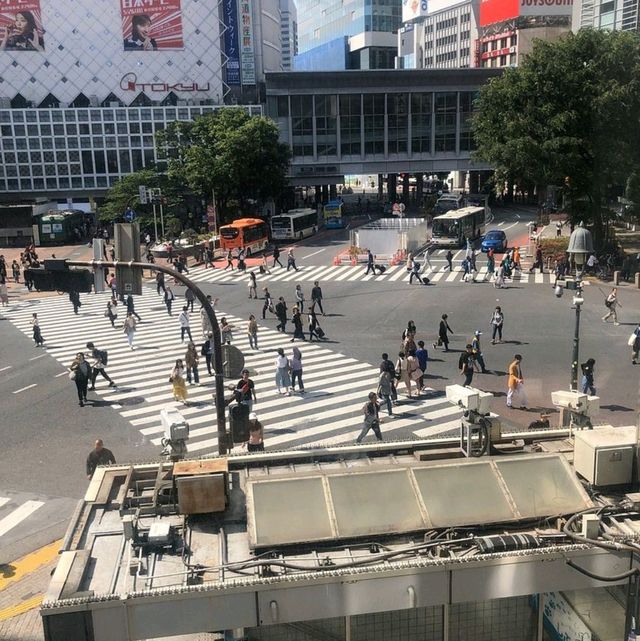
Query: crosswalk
column 347, row 273
column 330, row 411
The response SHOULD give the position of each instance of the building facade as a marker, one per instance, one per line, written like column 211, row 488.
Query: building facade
column 621, row 15
column 288, row 32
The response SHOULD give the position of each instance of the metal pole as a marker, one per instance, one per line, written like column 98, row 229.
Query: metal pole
column 576, row 340
column 155, row 220
column 162, row 218
column 215, row 330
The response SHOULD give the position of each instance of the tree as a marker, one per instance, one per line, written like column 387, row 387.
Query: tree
column 569, row 116
column 229, row 152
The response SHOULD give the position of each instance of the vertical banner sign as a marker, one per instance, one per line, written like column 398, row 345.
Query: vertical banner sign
column 211, row 217
column 151, row 25
column 246, row 44
column 21, row 25
column 231, row 47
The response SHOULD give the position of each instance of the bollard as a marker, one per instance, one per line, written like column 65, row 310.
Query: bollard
column 616, row 278
column 637, row 280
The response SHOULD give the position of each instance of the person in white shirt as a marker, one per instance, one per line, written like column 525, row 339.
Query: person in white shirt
column 185, row 324
column 283, row 380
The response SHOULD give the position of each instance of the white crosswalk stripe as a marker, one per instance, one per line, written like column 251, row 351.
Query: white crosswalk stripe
column 348, row 273
column 16, row 515
column 329, row 412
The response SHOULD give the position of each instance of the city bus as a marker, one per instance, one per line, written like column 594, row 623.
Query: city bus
column 295, row 224
column 454, row 228
column 333, row 215
column 447, row 202
column 252, row 234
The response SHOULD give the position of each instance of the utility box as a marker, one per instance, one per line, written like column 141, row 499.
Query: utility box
column 174, row 424
column 604, row 456
column 127, row 247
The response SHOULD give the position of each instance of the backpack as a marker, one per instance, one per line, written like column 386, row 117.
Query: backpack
column 102, row 355
column 607, row 302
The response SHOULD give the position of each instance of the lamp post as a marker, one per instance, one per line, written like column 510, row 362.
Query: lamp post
column 580, row 246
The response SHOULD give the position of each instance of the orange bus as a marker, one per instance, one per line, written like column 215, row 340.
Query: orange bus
column 252, row 234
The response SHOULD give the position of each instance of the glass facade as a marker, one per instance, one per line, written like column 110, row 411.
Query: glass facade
column 67, row 150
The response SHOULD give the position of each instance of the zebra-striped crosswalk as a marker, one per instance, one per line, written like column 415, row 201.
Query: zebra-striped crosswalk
column 330, row 411
column 348, row 273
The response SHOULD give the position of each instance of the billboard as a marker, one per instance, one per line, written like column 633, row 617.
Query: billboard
column 412, row 9
column 231, row 46
column 546, row 7
column 247, row 56
column 498, row 10
column 21, row 25
column 151, row 25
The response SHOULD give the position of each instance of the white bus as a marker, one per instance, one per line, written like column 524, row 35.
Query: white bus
column 447, row 202
column 454, row 228
column 295, row 224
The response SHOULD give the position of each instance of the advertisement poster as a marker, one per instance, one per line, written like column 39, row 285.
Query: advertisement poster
column 246, row 46
column 21, row 25
column 151, row 25
column 412, row 9
column 492, row 11
column 231, row 46
column 546, row 7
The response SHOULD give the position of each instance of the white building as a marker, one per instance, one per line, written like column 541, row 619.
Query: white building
column 289, row 32
column 621, row 15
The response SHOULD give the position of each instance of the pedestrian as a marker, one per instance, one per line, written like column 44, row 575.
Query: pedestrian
column 281, row 314
column 74, row 297
column 276, row 256
column 443, row 337
column 402, row 372
column 316, row 297
column 169, row 297
column 111, row 312
column 476, row 348
column 538, row 263
column 415, row 273
column 185, row 325
column 472, row 263
column 268, row 303
column 558, row 229
column 208, row 258
column 206, row 350
column 516, row 383
column 160, row 282
column 313, row 325
column 252, row 332
column 98, row 365
column 15, row 268
column 370, row 263
column 226, row 331
column 611, row 302
column 465, row 269
column 491, row 266
column 131, row 307
column 176, row 378
column 423, row 359
column 190, row 297
column 296, row 370
column 497, row 322
column 229, row 264
column 191, row 359
column 385, row 387
column 371, row 418
column 256, row 434
column 99, row 455
column 413, row 367
column 245, row 391
column 299, row 298
column 80, row 374
column 296, row 319
column 291, row 261
column 465, row 365
column 4, row 294
column 37, row 336
column 500, row 276
column 129, row 328
column 113, row 286
column 587, row 384
column 634, row 343
column 283, row 381
column 264, row 267
column 253, row 286
column 516, row 259
column 449, row 259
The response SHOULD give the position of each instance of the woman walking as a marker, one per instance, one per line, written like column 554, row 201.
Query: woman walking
column 111, row 313
column 491, row 266
column 443, row 337
column 587, row 377
column 296, row 370
column 191, row 361
column 226, row 334
column 299, row 298
column 252, row 332
column 80, row 374
column 497, row 321
column 402, row 372
column 413, row 368
column 129, row 328
column 37, row 336
column 296, row 319
column 283, row 380
column 176, row 379
column 385, row 389
column 253, row 286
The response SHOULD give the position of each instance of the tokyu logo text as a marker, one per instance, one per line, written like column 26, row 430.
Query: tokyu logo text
column 129, row 82
column 546, row 3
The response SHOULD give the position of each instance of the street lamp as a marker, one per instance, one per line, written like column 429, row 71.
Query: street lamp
column 580, row 246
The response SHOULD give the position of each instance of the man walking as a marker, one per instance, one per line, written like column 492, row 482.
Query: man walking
column 268, row 302
column 423, row 359
column 443, row 337
column 291, row 261
column 516, row 383
column 207, row 351
column 185, row 325
column 74, row 297
column 611, row 302
column 229, row 264
column 276, row 256
column 316, row 297
column 190, row 297
column 370, row 263
column 371, row 411
column 131, row 307
column 538, row 262
column 465, row 364
column 98, row 365
column 477, row 351
column 168, row 298
column 160, row 282
column 99, row 455
column 415, row 273
column 449, row 258
column 281, row 314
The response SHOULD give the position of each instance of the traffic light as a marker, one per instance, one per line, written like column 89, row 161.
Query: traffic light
column 60, row 280
column 239, row 422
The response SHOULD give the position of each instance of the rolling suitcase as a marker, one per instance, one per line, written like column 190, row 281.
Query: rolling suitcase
column 381, row 269
column 320, row 332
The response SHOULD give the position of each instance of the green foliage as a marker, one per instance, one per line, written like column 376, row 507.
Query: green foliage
column 569, row 115
column 632, row 193
column 236, row 155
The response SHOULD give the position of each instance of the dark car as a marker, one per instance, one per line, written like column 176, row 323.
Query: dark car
column 495, row 239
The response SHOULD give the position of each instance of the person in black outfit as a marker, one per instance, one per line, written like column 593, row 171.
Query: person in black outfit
column 81, row 371
column 387, row 366
column 443, row 337
column 98, row 366
column 160, row 282
column 207, row 351
column 449, row 258
column 465, row 363
column 100, row 455
column 168, row 299
column 587, row 384
column 370, row 263
column 296, row 318
column 268, row 303
column 281, row 314
column 316, row 297
column 276, row 257
column 131, row 307
column 74, row 297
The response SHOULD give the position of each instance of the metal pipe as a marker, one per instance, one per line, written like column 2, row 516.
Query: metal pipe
column 576, row 337
column 215, row 330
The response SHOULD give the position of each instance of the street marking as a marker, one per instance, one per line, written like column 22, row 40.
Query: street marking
column 6, row 368
column 314, row 253
column 27, row 564
column 60, row 374
column 35, row 358
column 510, row 226
column 23, row 389
column 18, row 515
column 500, row 224
column 21, row 608
column 3, row 500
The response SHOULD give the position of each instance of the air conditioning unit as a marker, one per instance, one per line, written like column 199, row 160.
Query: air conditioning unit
column 604, row 456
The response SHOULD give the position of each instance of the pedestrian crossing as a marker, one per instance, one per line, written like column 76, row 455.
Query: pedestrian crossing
column 348, row 273
column 330, row 411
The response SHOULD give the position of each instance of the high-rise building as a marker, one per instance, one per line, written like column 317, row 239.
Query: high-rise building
column 621, row 15
column 288, row 32
column 347, row 34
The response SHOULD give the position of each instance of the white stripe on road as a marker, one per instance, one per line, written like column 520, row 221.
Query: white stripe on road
column 35, row 358
column 24, row 389
column 314, row 253
column 18, row 515
column 4, row 369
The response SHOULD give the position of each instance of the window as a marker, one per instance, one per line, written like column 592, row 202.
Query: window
column 302, row 125
column 350, row 105
column 467, row 99
column 421, row 105
column 373, row 109
column 397, row 123
column 445, row 121
column 326, row 113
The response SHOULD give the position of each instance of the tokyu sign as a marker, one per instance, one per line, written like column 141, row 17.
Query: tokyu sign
column 546, row 7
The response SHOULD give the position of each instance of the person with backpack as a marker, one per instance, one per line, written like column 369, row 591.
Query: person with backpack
column 611, row 302
column 100, row 358
column 371, row 411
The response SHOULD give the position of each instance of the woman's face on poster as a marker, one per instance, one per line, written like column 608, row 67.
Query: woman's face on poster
column 144, row 29
column 20, row 24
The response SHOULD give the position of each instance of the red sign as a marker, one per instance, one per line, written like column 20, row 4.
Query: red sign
column 21, row 25
column 492, row 11
column 151, row 25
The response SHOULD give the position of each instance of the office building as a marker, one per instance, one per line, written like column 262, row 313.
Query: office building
column 289, row 32
column 620, row 15
column 335, row 35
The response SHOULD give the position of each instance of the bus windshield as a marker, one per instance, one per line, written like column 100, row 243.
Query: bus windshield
column 280, row 222
column 229, row 232
column 446, row 228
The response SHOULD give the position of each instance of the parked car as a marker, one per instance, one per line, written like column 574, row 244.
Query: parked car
column 494, row 239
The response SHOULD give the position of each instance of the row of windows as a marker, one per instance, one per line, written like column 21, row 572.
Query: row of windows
column 82, row 142
column 446, row 40
column 82, row 129
column 446, row 24
column 501, row 43
column 500, row 61
column 446, row 57
column 54, row 184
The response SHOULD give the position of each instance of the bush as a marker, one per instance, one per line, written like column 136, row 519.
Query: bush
column 554, row 248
